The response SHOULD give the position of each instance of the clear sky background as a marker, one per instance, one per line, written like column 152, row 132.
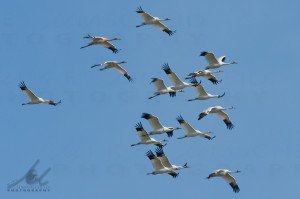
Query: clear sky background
column 86, row 139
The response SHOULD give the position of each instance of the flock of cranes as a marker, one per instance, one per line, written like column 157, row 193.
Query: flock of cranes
column 160, row 162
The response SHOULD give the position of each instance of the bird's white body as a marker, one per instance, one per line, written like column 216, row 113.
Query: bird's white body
column 202, row 94
column 178, row 84
column 225, row 174
column 159, row 167
column 33, row 98
column 165, row 161
column 154, row 21
column 145, row 139
column 206, row 74
column 162, row 88
column 102, row 41
column 115, row 65
column 158, row 128
column 191, row 132
column 219, row 111
column 215, row 62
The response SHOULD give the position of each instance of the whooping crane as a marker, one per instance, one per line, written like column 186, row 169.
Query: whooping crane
column 103, row 41
column 162, row 89
column 165, row 161
column 219, row 111
column 33, row 98
column 159, row 167
column 207, row 74
column 225, row 174
column 178, row 84
column 115, row 65
column 145, row 139
column 191, row 132
column 213, row 61
column 149, row 20
column 202, row 94
column 156, row 125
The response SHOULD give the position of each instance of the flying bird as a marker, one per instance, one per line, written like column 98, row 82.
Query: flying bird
column 165, row 161
column 202, row 94
column 178, row 84
column 103, row 41
column 33, row 98
column 225, row 174
column 213, row 61
column 145, row 139
column 155, row 21
column 159, row 167
column 206, row 74
column 115, row 65
column 219, row 111
column 162, row 89
column 158, row 128
column 191, row 132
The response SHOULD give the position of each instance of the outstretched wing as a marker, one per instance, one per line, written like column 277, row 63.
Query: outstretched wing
column 198, row 87
column 153, row 120
column 123, row 72
column 27, row 92
column 210, row 57
column 156, row 163
column 164, row 28
column 186, row 126
column 226, row 119
column 212, row 78
column 144, row 15
column 159, row 84
column 110, row 46
column 141, row 132
column 162, row 157
column 204, row 113
column 230, row 179
column 173, row 77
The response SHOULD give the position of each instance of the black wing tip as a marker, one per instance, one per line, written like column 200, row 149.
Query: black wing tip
column 180, row 119
column 235, row 187
column 128, row 77
column 202, row 115
column 215, row 81
column 174, row 175
column 88, row 36
column 139, row 10
column 166, row 68
column 170, row 133
column 22, row 85
column 153, row 80
column 146, row 116
column 172, row 94
column 229, row 125
column 203, row 53
column 150, row 155
column 139, row 126
column 170, row 32
column 159, row 151
column 114, row 50
column 194, row 81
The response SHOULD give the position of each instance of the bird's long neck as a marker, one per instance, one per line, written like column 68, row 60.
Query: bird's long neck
column 219, row 71
column 233, row 171
column 112, row 39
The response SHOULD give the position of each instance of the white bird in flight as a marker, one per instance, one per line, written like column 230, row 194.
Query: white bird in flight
column 155, row 21
column 225, row 174
column 115, row 65
column 191, row 132
column 202, row 94
column 145, row 139
column 158, row 128
column 165, row 161
column 162, row 89
column 159, row 167
column 213, row 61
column 103, row 41
column 33, row 98
column 206, row 74
column 219, row 111
column 178, row 84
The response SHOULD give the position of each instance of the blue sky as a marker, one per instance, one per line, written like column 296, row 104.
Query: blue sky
column 86, row 139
